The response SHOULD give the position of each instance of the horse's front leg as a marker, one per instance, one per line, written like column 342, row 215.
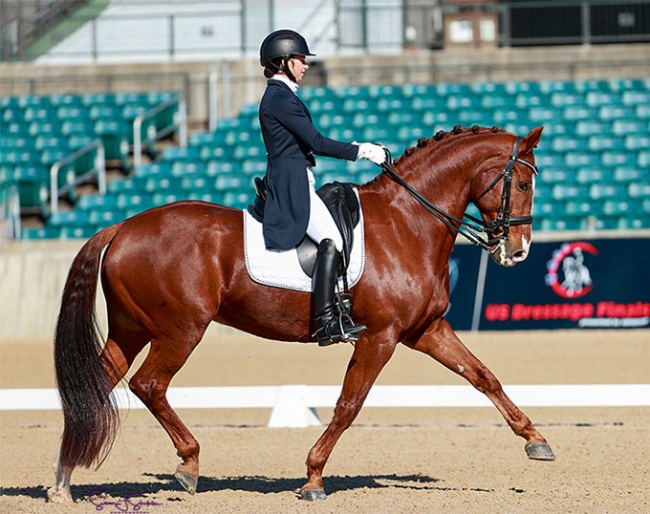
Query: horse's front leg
column 367, row 361
column 441, row 343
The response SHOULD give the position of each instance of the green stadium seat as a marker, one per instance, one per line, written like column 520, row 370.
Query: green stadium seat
column 52, row 143
column 154, row 168
column 181, row 168
column 556, row 175
column 600, row 98
column 644, row 159
column 33, row 198
column 67, row 100
column 46, row 232
column 69, row 218
column 196, row 184
column 250, row 168
column 97, row 99
column 592, row 127
column 83, row 232
column 618, row 158
column 72, row 113
column 105, row 112
column 587, row 86
column 475, row 117
column 639, row 190
column 599, row 143
column 555, row 86
column 544, row 114
column 158, row 97
column 42, row 127
column 126, row 98
column 642, row 112
column 629, row 126
column 569, row 192
column 582, row 159
column 453, row 89
column 179, row 153
column 230, row 181
column 615, row 112
column 77, row 127
column 607, row 191
column 562, row 144
column 217, row 167
column 96, row 202
column 419, row 90
column 626, row 85
column 40, row 113
column 31, row 173
column 577, row 112
column 26, row 101
column 626, row 174
column 564, row 99
column 581, row 207
column 207, row 138
column 593, row 175
column 633, row 98
column 50, row 156
column 636, row 142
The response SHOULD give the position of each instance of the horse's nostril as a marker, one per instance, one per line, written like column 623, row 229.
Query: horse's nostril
column 519, row 255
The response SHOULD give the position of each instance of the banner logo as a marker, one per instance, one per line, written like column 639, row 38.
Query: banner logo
column 568, row 275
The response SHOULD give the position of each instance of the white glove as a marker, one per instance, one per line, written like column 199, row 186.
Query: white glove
column 372, row 152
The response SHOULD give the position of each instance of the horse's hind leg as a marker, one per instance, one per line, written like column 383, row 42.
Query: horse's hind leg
column 117, row 360
column 443, row 344
column 150, row 384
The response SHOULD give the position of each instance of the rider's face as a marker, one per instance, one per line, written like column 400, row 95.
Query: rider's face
column 298, row 66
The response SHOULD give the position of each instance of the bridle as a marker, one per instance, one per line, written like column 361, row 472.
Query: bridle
column 470, row 227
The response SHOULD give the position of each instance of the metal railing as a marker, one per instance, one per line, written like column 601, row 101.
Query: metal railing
column 78, row 173
column 346, row 25
column 154, row 132
column 9, row 213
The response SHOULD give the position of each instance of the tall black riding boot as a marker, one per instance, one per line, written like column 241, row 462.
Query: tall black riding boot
column 332, row 326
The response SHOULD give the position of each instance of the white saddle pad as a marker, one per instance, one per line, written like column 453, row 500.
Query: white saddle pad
column 282, row 269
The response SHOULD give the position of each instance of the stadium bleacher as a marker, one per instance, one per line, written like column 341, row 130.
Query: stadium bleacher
column 594, row 158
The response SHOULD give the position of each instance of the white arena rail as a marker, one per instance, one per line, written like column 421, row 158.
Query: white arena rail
column 294, row 405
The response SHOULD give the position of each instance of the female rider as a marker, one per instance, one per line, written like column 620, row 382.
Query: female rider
column 293, row 209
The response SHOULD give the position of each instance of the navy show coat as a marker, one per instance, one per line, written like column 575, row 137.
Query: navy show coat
column 291, row 141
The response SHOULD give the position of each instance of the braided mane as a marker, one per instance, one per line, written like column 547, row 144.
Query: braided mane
column 440, row 135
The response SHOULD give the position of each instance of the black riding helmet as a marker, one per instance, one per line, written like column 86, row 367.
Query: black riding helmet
column 282, row 43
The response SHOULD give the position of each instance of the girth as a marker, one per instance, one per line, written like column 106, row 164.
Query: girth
column 344, row 207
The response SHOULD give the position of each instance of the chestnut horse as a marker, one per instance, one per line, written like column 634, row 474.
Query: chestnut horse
column 170, row 271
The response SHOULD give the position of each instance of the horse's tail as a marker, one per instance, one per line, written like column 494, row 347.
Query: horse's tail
column 89, row 413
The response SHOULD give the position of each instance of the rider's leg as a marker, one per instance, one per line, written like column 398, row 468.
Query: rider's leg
column 331, row 326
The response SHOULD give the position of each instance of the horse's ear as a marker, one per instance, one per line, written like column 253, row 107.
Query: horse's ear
column 529, row 143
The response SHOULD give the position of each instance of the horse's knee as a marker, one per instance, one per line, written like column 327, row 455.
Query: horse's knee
column 346, row 411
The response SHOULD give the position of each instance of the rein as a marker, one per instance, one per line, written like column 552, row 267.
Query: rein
column 471, row 227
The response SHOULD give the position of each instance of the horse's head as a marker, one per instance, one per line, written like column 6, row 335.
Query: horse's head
column 504, row 196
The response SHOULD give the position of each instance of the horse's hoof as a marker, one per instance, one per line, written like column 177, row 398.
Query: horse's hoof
column 186, row 480
column 312, row 495
column 539, row 451
column 59, row 496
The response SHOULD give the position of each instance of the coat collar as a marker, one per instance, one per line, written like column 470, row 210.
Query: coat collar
column 285, row 80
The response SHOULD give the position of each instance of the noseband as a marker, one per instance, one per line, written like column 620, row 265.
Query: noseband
column 471, row 227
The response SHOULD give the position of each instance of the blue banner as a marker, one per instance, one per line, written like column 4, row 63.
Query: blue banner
column 582, row 283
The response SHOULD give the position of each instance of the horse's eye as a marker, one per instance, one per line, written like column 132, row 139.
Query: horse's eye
column 523, row 186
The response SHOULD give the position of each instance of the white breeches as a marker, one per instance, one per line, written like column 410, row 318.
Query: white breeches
column 321, row 224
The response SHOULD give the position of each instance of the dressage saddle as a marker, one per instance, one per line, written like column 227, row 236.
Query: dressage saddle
column 343, row 204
